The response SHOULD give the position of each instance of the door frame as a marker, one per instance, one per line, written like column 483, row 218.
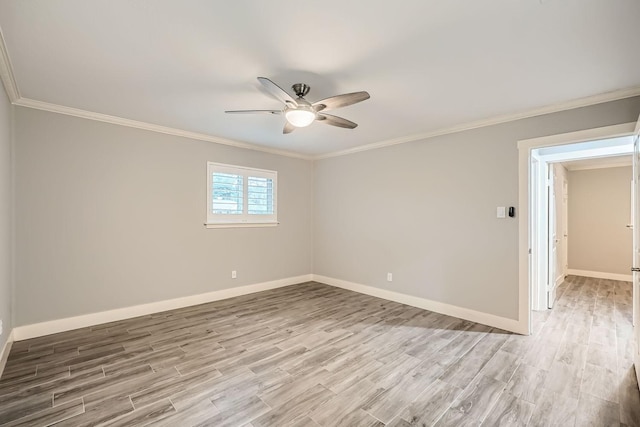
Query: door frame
column 524, row 193
column 635, row 223
column 538, row 201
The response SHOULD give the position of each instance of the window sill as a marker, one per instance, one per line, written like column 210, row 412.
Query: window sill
column 240, row 224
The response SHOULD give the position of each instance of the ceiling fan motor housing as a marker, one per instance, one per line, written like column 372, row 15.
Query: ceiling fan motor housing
column 301, row 89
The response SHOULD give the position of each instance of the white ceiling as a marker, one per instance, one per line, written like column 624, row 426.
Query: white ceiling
column 428, row 65
column 598, row 163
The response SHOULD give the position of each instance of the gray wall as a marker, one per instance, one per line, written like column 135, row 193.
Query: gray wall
column 109, row 216
column 5, row 217
column 599, row 210
column 426, row 211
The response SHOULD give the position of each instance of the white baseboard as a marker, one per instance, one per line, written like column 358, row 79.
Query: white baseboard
column 67, row 324
column 601, row 275
column 61, row 325
column 5, row 352
column 511, row 325
column 559, row 281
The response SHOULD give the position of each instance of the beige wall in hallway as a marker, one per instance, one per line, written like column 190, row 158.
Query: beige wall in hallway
column 599, row 210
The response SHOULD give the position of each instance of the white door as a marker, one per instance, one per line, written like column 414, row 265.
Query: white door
column 553, row 238
column 636, row 247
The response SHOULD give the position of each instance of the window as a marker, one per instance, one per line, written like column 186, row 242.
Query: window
column 240, row 197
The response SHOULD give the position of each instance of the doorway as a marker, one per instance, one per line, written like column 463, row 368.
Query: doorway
column 596, row 218
column 535, row 156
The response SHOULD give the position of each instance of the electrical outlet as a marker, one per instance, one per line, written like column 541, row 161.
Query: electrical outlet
column 1, row 327
column 233, row 274
column 389, row 277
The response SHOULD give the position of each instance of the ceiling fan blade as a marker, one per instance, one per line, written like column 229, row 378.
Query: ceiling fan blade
column 254, row 111
column 277, row 91
column 340, row 100
column 336, row 121
column 288, row 128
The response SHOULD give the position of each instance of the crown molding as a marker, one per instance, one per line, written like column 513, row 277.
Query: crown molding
column 76, row 112
column 554, row 108
column 549, row 109
column 6, row 72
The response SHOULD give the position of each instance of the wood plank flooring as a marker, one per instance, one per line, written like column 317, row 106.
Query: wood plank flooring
column 314, row 355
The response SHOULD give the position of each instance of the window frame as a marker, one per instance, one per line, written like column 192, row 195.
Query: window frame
column 245, row 219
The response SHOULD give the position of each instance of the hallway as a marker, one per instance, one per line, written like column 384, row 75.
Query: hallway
column 579, row 365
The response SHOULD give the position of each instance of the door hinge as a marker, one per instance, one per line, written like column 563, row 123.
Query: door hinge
column 635, row 269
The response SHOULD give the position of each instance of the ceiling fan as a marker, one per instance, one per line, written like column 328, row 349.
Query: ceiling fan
column 300, row 113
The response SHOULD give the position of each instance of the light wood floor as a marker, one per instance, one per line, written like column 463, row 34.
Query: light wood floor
column 311, row 355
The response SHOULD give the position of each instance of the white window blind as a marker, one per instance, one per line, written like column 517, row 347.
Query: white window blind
column 227, row 193
column 260, row 196
column 240, row 196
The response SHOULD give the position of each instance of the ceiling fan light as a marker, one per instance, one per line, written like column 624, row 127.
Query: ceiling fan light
column 300, row 117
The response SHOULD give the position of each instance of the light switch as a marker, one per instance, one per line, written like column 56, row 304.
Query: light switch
column 501, row 212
